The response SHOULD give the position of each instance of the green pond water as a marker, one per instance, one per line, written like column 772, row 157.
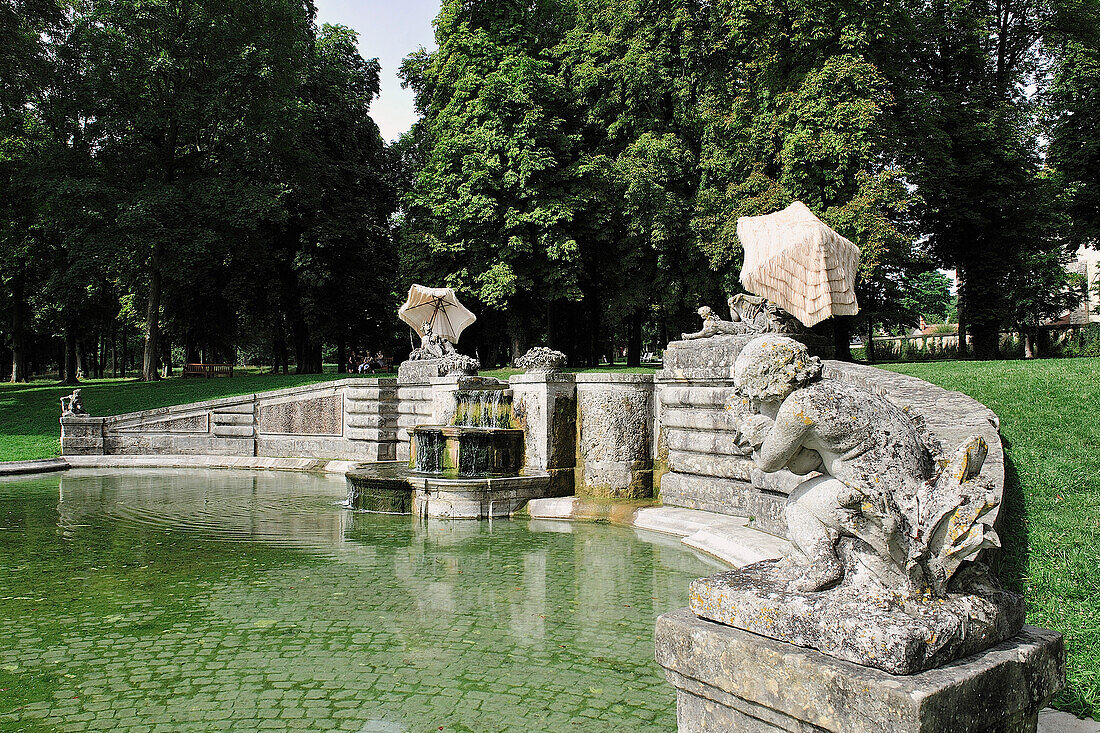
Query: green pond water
column 235, row 600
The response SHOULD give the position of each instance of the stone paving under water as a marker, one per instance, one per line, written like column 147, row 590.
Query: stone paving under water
column 231, row 600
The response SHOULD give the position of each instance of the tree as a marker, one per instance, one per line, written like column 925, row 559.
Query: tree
column 928, row 295
column 493, row 200
column 971, row 147
column 24, row 71
column 797, row 103
column 1071, row 112
column 188, row 90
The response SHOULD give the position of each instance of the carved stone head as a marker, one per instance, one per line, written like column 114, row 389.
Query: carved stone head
column 770, row 367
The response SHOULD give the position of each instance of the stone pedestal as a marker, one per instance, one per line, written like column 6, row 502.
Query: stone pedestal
column 544, row 405
column 81, row 435
column 732, row 680
column 614, row 449
column 418, row 372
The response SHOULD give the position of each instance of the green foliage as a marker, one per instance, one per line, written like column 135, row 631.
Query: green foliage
column 209, row 169
column 1071, row 109
column 1085, row 342
column 928, row 294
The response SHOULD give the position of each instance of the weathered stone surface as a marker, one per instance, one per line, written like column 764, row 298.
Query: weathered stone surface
column 317, row 416
column 707, row 358
column 726, row 496
column 730, row 679
column 717, row 465
column 197, row 423
column 890, row 595
column 541, row 360
column 544, row 406
column 614, row 419
column 420, row 371
column 880, row 480
column 227, row 427
column 886, row 631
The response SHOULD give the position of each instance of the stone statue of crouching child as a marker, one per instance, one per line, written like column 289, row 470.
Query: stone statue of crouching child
column 865, row 447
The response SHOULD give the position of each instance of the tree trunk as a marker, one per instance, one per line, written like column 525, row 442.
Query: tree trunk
column 69, row 371
column 18, row 335
column 125, row 350
column 986, row 341
column 842, row 338
column 149, row 371
column 869, row 344
column 634, row 340
column 964, row 317
column 167, row 346
column 341, row 356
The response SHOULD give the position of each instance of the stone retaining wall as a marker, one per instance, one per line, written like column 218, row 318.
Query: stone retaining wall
column 704, row 468
column 618, row 435
column 354, row 419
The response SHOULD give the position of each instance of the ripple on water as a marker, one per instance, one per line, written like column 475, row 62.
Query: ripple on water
column 290, row 608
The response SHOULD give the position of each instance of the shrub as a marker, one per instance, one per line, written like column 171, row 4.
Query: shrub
column 1086, row 342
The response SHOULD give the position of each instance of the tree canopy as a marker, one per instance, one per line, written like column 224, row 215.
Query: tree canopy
column 201, row 180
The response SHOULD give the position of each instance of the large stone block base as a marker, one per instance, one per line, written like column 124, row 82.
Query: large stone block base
column 732, row 680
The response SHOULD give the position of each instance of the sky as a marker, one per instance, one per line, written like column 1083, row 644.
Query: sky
column 389, row 31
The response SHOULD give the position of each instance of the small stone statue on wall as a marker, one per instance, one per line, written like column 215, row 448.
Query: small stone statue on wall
column 749, row 314
column 72, row 404
column 432, row 346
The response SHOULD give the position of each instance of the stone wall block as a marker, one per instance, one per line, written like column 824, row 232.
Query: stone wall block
column 699, row 419
column 726, row 496
column 233, row 431
column 680, row 395
column 614, row 435
column 729, row 679
column 544, row 406
column 233, row 418
column 371, row 394
column 371, row 420
column 711, row 464
column 310, row 415
column 724, row 444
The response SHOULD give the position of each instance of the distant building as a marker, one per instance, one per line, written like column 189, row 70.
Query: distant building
column 1088, row 265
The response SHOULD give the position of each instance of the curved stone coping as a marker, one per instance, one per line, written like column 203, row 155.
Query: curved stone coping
column 722, row 536
column 22, row 468
column 320, row 465
column 951, row 417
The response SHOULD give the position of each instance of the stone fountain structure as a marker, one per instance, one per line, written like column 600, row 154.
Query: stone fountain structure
column 883, row 615
column 468, row 461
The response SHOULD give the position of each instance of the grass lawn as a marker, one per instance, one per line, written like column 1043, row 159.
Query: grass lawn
column 1051, row 515
column 1051, row 433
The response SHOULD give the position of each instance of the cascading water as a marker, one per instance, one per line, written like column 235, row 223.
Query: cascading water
column 483, row 408
column 430, row 445
column 479, row 441
column 470, row 467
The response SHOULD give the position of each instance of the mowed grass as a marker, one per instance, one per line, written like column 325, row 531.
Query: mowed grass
column 29, row 412
column 1051, row 524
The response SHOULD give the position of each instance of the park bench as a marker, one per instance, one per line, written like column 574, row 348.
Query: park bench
column 207, row 370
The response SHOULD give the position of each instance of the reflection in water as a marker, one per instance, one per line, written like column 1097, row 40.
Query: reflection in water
column 175, row 593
